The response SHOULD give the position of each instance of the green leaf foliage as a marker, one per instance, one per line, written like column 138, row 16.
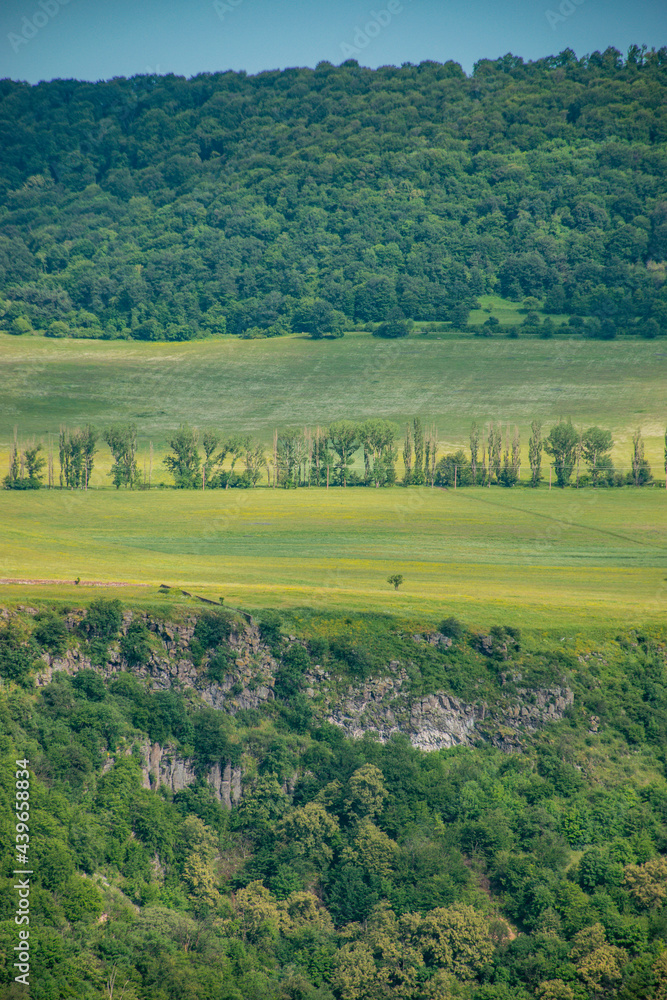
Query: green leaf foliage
column 345, row 868
column 313, row 200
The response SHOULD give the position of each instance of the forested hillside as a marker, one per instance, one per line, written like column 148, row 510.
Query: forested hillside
column 200, row 826
column 311, row 200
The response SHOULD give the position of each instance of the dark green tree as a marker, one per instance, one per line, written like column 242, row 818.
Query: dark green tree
column 395, row 325
column 561, row 443
column 641, row 470
column 474, row 451
column 185, row 462
column 535, row 453
column 418, row 439
column 122, row 440
column 596, row 444
column 344, row 438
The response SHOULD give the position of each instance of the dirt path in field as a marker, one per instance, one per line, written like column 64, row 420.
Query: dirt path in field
column 80, row 583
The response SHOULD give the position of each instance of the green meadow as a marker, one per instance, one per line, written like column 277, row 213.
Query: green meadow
column 543, row 559
column 584, row 560
column 256, row 386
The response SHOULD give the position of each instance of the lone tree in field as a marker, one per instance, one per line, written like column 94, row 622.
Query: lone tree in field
column 396, row 580
column 562, row 445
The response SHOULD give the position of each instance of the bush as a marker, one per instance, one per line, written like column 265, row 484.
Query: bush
column 269, row 623
column 100, row 627
column 453, row 467
column 90, row 685
column 357, row 660
column 452, row 627
column 16, row 655
column 319, row 648
column 219, row 666
column 50, row 632
column 290, row 675
column 395, row 325
column 213, row 628
column 135, row 644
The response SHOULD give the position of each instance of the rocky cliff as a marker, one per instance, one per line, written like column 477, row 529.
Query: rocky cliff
column 383, row 705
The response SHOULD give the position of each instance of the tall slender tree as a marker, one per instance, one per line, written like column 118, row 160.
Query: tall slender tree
column 495, row 450
column 210, row 441
column 418, row 438
column 516, row 454
column 343, row 435
column 254, row 460
column 431, row 454
column 291, row 451
column 77, row 454
column 641, row 470
column 407, row 456
column 535, row 453
column 474, row 450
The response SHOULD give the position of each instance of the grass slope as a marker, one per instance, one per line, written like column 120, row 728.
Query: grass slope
column 544, row 560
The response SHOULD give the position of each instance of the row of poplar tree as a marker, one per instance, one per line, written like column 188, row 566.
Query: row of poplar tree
column 326, row 456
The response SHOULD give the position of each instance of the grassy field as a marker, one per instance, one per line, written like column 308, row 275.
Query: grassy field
column 582, row 560
column 585, row 561
column 507, row 313
column 255, row 386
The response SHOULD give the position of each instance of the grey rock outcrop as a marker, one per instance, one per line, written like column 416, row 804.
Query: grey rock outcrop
column 162, row 766
column 383, row 705
column 437, row 721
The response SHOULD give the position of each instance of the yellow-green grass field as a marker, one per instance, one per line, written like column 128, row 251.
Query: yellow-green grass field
column 555, row 560
column 256, row 386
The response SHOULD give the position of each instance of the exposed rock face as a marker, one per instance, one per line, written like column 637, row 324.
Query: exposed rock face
column 247, row 685
column 440, row 720
column 163, row 766
column 383, row 705
column 226, row 784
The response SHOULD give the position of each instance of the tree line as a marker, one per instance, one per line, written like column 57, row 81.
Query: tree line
column 332, row 456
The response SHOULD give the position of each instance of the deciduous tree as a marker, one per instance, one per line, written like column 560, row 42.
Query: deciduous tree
column 561, row 443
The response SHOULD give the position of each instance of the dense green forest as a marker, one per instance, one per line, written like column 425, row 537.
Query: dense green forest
column 527, row 864
column 312, row 200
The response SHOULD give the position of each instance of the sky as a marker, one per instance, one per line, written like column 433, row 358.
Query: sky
column 100, row 39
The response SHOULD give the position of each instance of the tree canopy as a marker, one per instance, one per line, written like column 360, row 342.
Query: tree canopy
column 310, row 199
